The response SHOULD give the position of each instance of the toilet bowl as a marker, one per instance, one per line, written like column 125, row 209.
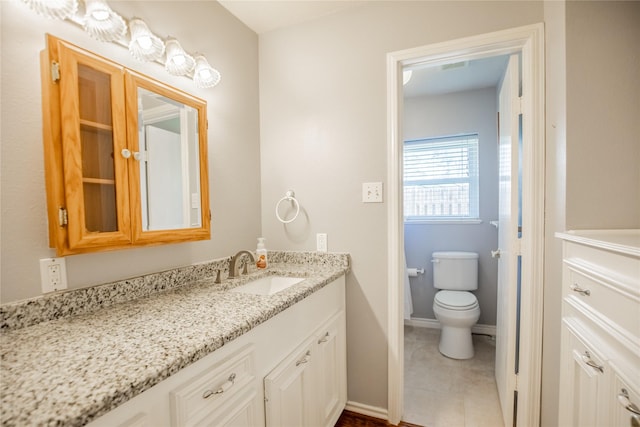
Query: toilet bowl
column 457, row 312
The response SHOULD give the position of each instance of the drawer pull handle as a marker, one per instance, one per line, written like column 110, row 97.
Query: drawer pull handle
column 623, row 398
column 586, row 358
column 305, row 359
column 325, row 338
column 578, row 289
column 224, row 387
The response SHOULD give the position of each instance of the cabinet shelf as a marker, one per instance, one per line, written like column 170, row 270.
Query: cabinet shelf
column 91, row 125
column 100, row 181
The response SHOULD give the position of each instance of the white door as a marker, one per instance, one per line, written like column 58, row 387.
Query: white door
column 165, row 183
column 506, row 321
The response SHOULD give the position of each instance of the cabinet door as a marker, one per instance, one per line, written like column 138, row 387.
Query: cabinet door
column 93, row 139
column 582, row 384
column 289, row 390
column 625, row 403
column 107, row 186
column 331, row 367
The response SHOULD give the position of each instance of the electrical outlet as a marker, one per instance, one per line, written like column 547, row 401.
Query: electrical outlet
column 53, row 274
column 372, row 192
column 321, row 242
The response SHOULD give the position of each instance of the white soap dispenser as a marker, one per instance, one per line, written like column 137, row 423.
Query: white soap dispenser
column 261, row 254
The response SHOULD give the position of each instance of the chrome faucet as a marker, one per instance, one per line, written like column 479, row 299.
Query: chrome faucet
column 233, row 267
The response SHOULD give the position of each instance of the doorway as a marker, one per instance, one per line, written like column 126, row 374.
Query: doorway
column 528, row 42
column 452, row 189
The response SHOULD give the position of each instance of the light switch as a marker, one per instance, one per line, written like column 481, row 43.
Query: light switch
column 372, row 192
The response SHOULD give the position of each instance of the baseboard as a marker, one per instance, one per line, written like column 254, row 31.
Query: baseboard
column 371, row 411
column 434, row 324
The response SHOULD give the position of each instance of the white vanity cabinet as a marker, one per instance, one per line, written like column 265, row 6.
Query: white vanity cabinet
column 227, row 387
column 600, row 350
column 308, row 388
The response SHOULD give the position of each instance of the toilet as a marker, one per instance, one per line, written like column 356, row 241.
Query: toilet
column 457, row 310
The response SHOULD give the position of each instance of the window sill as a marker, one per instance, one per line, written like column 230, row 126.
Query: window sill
column 443, row 221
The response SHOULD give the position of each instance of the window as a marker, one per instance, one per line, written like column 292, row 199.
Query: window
column 441, row 178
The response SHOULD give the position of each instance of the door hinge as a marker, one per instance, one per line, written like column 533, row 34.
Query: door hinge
column 209, row 214
column 63, row 218
column 519, row 105
column 55, row 71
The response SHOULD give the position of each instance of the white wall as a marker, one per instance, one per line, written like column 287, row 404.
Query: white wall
column 323, row 133
column 603, row 130
column 592, row 173
column 234, row 160
column 472, row 111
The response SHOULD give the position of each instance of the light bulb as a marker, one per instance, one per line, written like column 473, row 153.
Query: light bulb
column 53, row 9
column 102, row 23
column 144, row 45
column 178, row 61
column 100, row 15
column 205, row 75
column 144, row 42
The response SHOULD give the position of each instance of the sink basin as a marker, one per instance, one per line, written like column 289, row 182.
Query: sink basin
column 268, row 285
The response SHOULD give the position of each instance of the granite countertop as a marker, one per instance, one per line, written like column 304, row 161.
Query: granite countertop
column 71, row 370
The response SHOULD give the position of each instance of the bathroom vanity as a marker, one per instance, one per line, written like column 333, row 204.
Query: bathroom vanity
column 600, row 349
column 198, row 354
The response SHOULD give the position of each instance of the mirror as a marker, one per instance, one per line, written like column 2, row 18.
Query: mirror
column 168, row 136
column 168, row 143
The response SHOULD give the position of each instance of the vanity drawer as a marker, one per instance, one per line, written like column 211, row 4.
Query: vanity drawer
column 208, row 393
column 616, row 301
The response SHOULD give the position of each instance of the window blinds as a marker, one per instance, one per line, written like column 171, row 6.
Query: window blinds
column 441, row 178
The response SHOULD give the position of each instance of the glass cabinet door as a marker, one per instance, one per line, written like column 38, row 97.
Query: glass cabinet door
column 94, row 149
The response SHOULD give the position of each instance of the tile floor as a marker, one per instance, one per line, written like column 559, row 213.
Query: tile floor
column 443, row 392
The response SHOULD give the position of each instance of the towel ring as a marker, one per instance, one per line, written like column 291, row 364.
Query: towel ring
column 290, row 197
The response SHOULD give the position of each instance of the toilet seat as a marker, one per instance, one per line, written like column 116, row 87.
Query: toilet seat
column 456, row 300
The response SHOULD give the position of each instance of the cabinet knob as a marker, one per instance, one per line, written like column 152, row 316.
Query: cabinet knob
column 578, row 289
column 137, row 155
column 305, row 359
column 224, row 387
column 586, row 358
column 623, row 398
column 125, row 153
column 324, row 338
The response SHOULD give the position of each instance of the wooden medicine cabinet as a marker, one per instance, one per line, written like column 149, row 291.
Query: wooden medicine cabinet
column 125, row 155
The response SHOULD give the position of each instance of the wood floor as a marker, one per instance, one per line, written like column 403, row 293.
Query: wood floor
column 351, row 419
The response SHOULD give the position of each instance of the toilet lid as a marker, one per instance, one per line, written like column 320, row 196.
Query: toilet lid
column 456, row 300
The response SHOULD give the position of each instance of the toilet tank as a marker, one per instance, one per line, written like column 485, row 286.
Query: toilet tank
column 456, row 271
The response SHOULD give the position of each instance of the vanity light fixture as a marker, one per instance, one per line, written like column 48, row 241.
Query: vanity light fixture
column 102, row 23
column 53, row 9
column 178, row 61
column 144, row 45
column 204, row 74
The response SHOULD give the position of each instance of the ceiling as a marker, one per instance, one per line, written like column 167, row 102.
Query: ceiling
column 458, row 77
column 268, row 15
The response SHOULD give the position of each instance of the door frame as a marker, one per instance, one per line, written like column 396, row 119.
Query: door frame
column 529, row 41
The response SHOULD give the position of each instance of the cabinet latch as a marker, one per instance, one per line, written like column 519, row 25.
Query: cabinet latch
column 63, row 219
column 55, row 71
